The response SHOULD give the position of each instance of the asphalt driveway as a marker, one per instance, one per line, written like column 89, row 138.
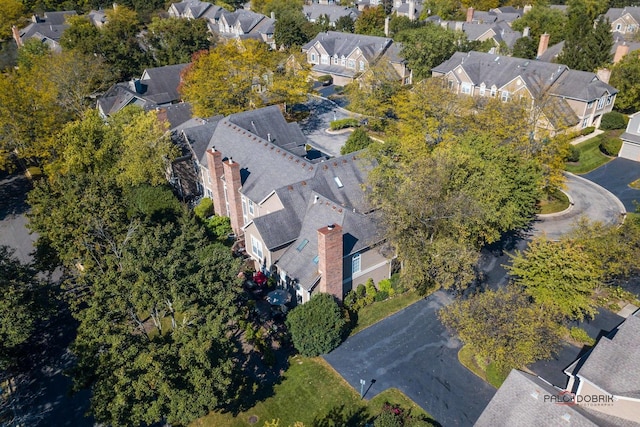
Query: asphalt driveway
column 323, row 112
column 413, row 352
column 616, row 176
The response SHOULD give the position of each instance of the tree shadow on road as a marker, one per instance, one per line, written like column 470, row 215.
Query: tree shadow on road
column 13, row 194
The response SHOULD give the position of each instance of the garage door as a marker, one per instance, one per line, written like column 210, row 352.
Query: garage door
column 630, row 151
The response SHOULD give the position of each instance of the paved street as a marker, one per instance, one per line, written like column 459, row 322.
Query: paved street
column 616, row 176
column 413, row 352
column 315, row 127
column 13, row 233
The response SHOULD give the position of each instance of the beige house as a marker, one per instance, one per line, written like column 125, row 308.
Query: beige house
column 560, row 98
column 305, row 221
column 346, row 56
column 625, row 21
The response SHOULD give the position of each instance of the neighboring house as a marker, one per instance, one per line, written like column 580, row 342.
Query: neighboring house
column 409, row 9
column 631, row 139
column 304, row 221
column 561, row 98
column 333, row 12
column 602, row 389
column 624, row 21
column 245, row 24
column 498, row 32
column 506, row 14
column 157, row 88
column 345, row 56
column 47, row 28
column 195, row 9
column 97, row 17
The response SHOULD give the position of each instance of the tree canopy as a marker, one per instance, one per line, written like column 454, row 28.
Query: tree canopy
column 625, row 76
column 371, row 21
column 542, row 19
column 173, row 41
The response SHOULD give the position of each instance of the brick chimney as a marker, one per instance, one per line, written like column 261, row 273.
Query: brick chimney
column 233, row 182
column 604, row 74
column 216, row 170
column 330, row 253
column 621, row 51
column 470, row 14
column 543, row 45
column 16, row 35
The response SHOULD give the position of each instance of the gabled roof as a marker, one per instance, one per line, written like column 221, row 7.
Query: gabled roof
column 501, row 31
column 249, row 22
column 615, row 13
column 343, row 44
column 50, row 26
column 334, row 12
column 174, row 114
column 520, row 402
column 582, row 85
column 614, row 363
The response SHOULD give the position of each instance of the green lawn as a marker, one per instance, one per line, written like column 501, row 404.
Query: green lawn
column 557, row 202
column 489, row 373
column 375, row 312
column 311, row 391
column 590, row 155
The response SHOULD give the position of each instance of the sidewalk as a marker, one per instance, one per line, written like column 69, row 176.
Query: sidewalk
column 580, row 139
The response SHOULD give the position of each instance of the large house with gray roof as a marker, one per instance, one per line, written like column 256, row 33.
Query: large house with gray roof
column 333, row 12
column 244, row 24
column 345, row 56
column 560, row 98
column 624, row 21
column 602, row 389
column 47, row 28
column 304, row 220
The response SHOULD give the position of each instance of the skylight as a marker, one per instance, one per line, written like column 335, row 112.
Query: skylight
column 316, row 259
column 338, row 182
column 302, row 245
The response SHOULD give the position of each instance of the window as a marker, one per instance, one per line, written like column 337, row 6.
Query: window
column 465, row 88
column 450, row 84
column 618, row 27
column 590, row 104
column 631, row 28
column 324, row 59
column 505, row 96
column 601, row 102
column 482, row 89
column 609, row 99
column 335, row 60
column 209, row 194
column 355, row 264
column 361, row 65
column 256, row 247
column 343, row 61
column 313, row 58
column 585, row 122
column 494, row 91
column 251, row 207
column 351, row 64
column 244, row 206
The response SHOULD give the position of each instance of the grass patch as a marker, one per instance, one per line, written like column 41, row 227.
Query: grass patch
column 375, row 312
column 489, row 373
column 311, row 391
column 555, row 202
column 635, row 184
column 590, row 155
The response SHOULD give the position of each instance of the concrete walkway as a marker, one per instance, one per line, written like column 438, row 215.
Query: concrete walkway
column 583, row 138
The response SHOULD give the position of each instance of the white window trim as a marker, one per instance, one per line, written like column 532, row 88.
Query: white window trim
column 356, row 260
column 601, row 102
column 465, row 88
column 505, row 95
column 256, row 248
column 251, row 209
column 361, row 65
column 351, row 63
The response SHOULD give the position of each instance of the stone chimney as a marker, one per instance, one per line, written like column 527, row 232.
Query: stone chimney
column 216, row 171
column 273, row 15
column 16, row 35
column 330, row 252
column 621, row 51
column 526, row 31
column 412, row 10
column 470, row 14
column 233, row 183
column 543, row 45
column 604, row 74
column 527, row 8
column 386, row 26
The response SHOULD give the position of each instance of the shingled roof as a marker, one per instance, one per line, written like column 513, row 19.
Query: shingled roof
column 343, row 44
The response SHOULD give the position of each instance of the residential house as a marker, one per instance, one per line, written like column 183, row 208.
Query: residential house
column 333, row 12
column 624, row 21
column 500, row 32
column 158, row 87
column 345, row 56
column 631, row 139
column 196, row 9
column 506, row 14
column 407, row 8
column 244, row 24
column 564, row 98
column 97, row 18
column 47, row 28
column 305, row 221
column 602, row 389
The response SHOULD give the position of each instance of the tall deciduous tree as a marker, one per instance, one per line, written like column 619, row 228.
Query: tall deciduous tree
column 560, row 276
column 504, row 327
column 542, row 19
column 173, row 41
column 625, row 76
column 345, row 24
column 10, row 13
column 371, row 21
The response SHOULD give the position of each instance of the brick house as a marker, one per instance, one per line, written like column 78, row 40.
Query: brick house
column 306, row 221
column 564, row 98
column 346, row 56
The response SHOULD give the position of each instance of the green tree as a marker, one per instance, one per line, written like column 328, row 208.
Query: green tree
column 345, row 24
column 30, row 52
column 446, row 9
column 10, row 13
column 290, row 30
column 541, row 19
column 173, row 41
column 372, row 94
column 525, row 47
column 504, row 327
column 625, row 76
column 560, row 276
column 397, row 24
column 358, row 140
column 371, row 21
column 428, row 46
column 317, row 326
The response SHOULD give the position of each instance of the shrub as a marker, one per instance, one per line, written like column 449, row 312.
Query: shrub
column 580, row 335
column 361, row 290
column 613, row 120
column 317, row 326
column 611, row 146
column 350, row 299
column 358, row 140
column 397, row 283
column 587, row 131
column 204, row 208
column 338, row 89
column 344, row 123
column 325, row 80
column 381, row 296
column 573, row 155
column 219, row 227
column 153, row 202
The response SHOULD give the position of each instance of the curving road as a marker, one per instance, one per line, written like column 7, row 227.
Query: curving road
column 589, row 200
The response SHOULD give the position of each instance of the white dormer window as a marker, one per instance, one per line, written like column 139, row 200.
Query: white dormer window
column 343, row 61
column 335, row 60
column 482, row 89
column 494, row 91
